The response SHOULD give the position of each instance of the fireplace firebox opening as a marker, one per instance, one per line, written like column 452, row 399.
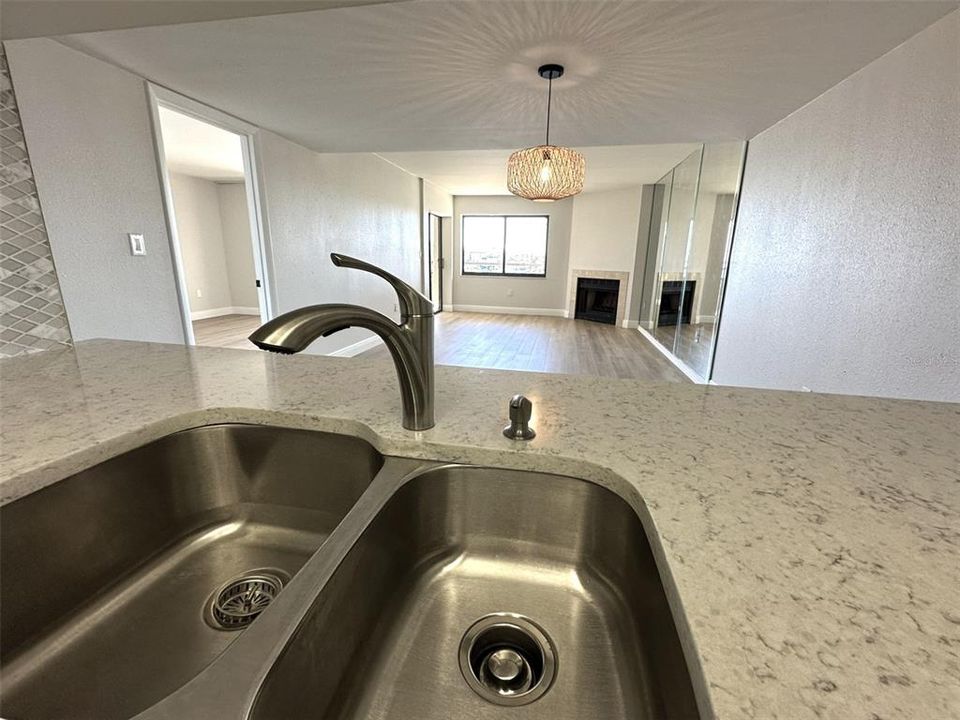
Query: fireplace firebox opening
column 676, row 302
column 597, row 300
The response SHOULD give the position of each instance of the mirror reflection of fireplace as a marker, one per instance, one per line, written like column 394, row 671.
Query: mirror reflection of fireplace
column 676, row 302
column 597, row 300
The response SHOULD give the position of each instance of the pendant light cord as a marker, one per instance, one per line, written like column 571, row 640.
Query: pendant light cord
column 549, row 100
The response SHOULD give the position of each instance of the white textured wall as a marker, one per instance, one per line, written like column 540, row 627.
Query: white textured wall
column 603, row 232
column 844, row 271
column 88, row 129
column 549, row 293
column 354, row 203
column 436, row 201
column 237, row 244
column 199, row 230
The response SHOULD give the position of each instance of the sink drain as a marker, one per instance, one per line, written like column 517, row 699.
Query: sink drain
column 239, row 602
column 507, row 659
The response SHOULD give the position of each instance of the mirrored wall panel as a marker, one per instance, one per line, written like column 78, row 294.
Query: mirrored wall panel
column 692, row 228
column 676, row 290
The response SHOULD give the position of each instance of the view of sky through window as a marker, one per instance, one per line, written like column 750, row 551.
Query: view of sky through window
column 504, row 244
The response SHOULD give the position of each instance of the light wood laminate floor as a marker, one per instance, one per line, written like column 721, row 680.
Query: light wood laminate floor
column 691, row 343
column 229, row 331
column 546, row 344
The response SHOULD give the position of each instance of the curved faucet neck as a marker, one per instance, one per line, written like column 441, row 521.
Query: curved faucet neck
column 412, row 302
column 410, row 345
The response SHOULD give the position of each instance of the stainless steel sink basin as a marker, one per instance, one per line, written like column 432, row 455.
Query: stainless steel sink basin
column 110, row 576
column 542, row 589
column 266, row 574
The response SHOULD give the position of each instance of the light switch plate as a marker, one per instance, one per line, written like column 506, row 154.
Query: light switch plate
column 137, row 246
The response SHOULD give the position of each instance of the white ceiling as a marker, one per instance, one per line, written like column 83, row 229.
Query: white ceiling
column 484, row 172
column 42, row 18
column 193, row 147
column 461, row 74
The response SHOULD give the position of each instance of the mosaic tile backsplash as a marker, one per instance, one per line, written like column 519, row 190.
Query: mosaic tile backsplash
column 32, row 316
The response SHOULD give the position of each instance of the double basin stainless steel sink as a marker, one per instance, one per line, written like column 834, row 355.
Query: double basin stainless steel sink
column 255, row 572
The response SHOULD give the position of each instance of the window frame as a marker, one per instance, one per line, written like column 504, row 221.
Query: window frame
column 503, row 273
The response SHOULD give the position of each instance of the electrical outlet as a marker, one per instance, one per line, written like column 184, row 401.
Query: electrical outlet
column 509, row 292
column 137, row 246
column 199, row 293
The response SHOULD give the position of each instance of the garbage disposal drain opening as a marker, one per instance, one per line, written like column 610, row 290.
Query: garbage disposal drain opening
column 507, row 659
column 238, row 602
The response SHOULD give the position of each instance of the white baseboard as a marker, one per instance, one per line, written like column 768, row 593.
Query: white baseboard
column 630, row 324
column 357, row 347
column 677, row 362
column 501, row 310
column 705, row 319
column 219, row 312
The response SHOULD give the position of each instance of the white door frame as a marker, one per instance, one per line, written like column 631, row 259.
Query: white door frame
column 162, row 97
column 434, row 258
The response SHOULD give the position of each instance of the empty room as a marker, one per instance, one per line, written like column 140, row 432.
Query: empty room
column 500, row 359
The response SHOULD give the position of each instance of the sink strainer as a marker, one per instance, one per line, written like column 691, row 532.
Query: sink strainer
column 507, row 659
column 239, row 602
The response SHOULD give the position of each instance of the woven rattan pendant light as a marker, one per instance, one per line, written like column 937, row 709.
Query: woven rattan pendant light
column 546, row 172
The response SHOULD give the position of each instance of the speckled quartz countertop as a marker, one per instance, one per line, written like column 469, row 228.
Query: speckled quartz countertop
column 814, row 540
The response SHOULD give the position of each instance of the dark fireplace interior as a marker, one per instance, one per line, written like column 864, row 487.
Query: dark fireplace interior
column 597, row 300
column 676, row 302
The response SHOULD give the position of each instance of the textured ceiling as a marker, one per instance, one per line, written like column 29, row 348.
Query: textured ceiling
column 193, row 147
column 484, row 172
column 461, row 74
column 42, row 18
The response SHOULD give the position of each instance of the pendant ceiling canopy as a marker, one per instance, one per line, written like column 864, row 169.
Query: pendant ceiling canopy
column 546, row 172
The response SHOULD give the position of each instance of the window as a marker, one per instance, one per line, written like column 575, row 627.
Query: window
column 504, row 245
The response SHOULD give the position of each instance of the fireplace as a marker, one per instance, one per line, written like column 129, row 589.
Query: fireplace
column 676, row 302
column 597, row 300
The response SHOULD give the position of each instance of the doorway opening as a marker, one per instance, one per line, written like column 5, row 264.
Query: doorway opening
column 434, row 252
column 213, row 220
